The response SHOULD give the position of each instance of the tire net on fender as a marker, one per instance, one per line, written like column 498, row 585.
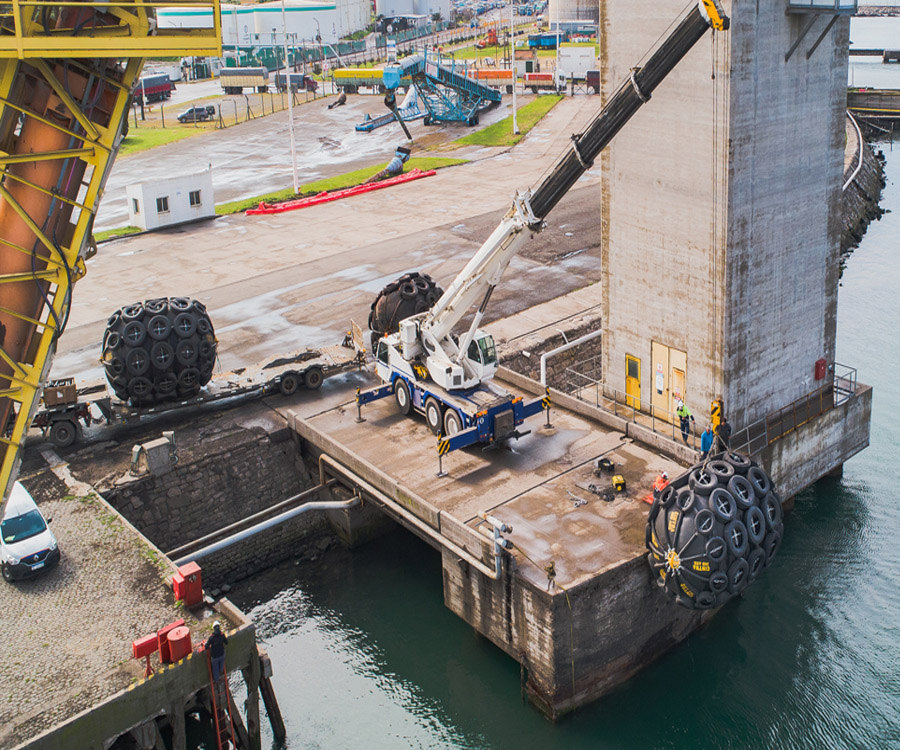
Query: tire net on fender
column 713, row 530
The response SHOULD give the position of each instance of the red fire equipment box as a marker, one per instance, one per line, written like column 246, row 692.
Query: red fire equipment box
column 821, row 368
column 187, row 584
column 179, row 643
column 145, row 646
column 162, row 635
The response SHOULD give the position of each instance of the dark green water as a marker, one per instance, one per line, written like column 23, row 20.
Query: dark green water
column 366, row 655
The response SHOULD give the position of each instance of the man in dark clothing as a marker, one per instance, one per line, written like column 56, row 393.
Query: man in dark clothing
column 216, row 646
column 723, row 432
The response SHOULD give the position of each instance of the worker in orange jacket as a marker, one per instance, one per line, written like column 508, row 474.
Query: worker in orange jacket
column 662, row 481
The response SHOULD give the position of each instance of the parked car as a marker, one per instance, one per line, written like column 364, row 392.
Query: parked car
column 197, row 114
column 27, row 546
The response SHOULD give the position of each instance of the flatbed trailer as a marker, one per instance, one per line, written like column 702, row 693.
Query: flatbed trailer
column 285, row 374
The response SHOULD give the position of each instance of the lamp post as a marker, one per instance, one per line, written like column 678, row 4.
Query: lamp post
column 290, row 102
column 512, row 55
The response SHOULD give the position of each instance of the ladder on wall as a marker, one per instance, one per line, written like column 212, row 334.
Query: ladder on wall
column 223, row 719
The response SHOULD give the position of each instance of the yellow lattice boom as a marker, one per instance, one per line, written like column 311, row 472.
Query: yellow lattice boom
column 67, row 73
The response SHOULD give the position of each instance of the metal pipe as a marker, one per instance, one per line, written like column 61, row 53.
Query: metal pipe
column 565, row 347
column 859, row 140
column 408, row 517
column 239, row 524
column 275, row 521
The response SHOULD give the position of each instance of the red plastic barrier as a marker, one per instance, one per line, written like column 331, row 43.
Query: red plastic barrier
column 326, row 197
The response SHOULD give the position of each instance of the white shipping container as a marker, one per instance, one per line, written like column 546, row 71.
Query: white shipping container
column 575, row 62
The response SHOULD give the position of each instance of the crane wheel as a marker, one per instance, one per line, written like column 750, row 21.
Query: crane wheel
column 165, row 349
column 713, row 540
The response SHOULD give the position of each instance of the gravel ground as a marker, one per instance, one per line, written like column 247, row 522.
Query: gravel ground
column 67, row 638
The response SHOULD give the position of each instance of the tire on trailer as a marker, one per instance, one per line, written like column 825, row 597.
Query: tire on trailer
column 289, row 383
column 63, row 433
column 313, row 378
column 157, row 341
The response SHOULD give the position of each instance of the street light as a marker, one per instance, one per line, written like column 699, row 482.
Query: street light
column 287, row 76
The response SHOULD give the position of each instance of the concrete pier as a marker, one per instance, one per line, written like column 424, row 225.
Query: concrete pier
column 67, row 676
column 574, row 602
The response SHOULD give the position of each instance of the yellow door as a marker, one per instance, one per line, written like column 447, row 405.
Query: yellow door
column 633, row 381
column 677, row 386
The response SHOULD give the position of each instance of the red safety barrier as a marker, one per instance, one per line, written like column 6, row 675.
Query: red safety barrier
column 326, row 197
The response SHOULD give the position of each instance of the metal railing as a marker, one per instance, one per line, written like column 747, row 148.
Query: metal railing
column 583, row 382
column 760, row 434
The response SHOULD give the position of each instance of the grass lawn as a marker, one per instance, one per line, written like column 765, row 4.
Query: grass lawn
column 150, row 136
column 500, row 133
column 108, row 234
column 334, row 183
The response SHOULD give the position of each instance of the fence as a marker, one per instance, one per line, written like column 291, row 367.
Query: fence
column 583, row 381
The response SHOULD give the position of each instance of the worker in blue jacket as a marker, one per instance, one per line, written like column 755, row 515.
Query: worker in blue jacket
column 706, row 441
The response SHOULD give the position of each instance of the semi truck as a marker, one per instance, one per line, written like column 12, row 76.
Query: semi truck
column 156, row 87
column 430, row 369
column 235, row 80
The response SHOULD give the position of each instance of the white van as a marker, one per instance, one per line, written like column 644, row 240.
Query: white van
column 27, row 546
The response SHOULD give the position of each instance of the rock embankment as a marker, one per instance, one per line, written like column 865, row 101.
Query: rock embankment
column 863, row 196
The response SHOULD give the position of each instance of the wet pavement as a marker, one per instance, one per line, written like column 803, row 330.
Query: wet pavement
column 277, row 283
column 533, row 483
column 254, row 158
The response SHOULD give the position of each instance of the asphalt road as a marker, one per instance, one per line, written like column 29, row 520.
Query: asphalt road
column 278, row 283
column 254, row 158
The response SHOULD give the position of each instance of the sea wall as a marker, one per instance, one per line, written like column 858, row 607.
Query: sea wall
column 862, row 197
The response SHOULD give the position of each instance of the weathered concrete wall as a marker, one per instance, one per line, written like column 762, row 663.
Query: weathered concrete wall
column 809, row 453
column 619, row 622
column 582, row 357
column 721, row 211
column 252, row 470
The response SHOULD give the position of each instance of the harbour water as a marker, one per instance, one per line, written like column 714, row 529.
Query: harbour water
column 366, row 655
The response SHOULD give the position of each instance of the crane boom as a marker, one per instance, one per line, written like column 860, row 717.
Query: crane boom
column 448, row 360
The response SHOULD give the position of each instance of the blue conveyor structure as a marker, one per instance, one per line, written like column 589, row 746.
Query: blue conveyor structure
column 448, row 94
column 408, row 111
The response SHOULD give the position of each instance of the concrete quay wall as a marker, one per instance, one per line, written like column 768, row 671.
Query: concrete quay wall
column 256, row 470
column 576, row 645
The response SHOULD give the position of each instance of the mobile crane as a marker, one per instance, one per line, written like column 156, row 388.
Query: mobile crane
column 423, row 364
column 68, row 71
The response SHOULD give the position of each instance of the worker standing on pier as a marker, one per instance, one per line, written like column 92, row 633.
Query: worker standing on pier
column 215, row 644
column 706, row 441
column 723, row 432
column 685, row 417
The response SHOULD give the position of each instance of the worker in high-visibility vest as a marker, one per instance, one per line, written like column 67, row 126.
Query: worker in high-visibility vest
column 685, row 418
column 662, row 481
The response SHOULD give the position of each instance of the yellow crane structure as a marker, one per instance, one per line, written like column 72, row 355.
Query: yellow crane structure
column 67, row 74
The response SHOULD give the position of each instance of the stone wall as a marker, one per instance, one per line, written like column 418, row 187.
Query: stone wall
column 523, row 355
column 861, row 199
column 253, row 470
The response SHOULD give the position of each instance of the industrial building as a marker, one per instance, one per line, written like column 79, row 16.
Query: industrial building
column 263, row 25
column 393, row 8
